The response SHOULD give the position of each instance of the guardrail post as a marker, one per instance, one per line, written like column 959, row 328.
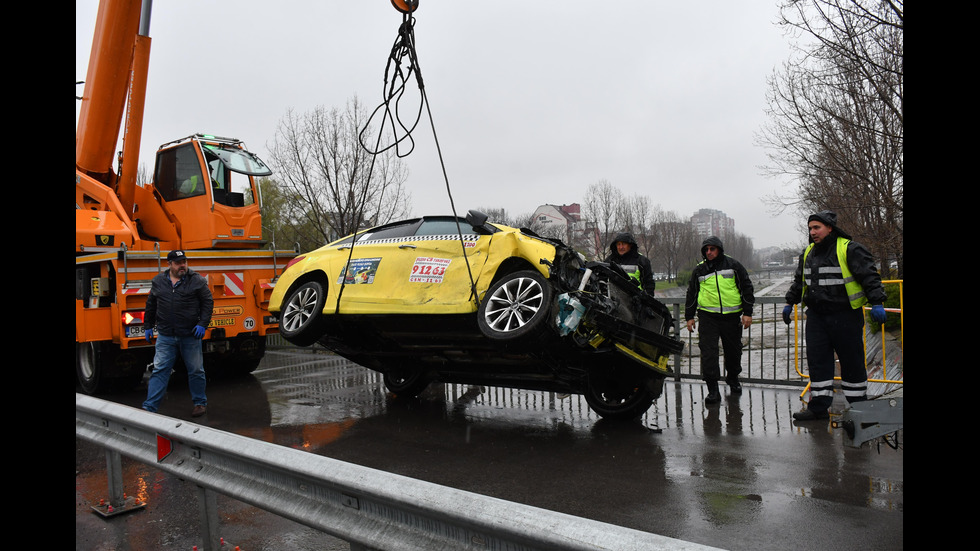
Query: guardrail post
column 208, row 506
column 119, row 503
column 113, row 465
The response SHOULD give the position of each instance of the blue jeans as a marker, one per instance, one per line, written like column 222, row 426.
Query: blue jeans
column 167, row 349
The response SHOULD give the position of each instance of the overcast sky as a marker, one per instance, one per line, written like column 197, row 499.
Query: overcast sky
column 532, row 100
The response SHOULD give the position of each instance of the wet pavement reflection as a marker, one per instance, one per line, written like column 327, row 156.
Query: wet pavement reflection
column 736, row 475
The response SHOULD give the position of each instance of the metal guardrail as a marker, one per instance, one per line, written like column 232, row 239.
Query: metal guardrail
column 768, row 357
column 770, row 354
column 772, row 351
column 368, row 508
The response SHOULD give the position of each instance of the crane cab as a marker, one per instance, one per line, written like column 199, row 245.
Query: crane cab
column 210, row 187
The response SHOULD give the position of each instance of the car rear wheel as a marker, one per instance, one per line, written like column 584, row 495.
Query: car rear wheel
column 405, row 382
column 617, row 400
column 516, row 306
column 302, row 314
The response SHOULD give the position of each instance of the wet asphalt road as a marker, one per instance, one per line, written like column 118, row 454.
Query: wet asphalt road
column 738, row 475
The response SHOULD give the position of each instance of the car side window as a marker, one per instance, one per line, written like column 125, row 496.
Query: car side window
column 444, row 226
column 398, row 229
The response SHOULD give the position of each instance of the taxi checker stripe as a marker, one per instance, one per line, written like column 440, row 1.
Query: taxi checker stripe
column 234, row 284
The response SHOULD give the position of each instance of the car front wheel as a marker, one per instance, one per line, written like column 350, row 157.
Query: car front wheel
column 301, row 319
column 516, row 306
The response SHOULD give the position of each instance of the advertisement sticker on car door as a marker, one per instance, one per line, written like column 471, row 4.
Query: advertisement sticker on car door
column 360, row 270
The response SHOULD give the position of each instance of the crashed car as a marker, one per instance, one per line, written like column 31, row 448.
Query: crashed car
column 448, row 299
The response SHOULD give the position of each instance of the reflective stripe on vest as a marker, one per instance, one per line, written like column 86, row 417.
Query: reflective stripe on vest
column 718, row 293
column 633, row 270
column 855, row 294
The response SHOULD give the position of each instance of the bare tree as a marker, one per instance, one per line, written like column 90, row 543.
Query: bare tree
column 739, row 247
column 675, row 242
column 496, row 214
column 634, row 215
column 525, row 220
column 329, row 184
column 599, row 210
column 837, row 117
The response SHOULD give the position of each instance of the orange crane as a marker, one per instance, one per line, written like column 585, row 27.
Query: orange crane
column 204, row 198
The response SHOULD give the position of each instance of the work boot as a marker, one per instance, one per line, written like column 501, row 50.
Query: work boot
column 734, row 385
column 713, row 396
column 199, row 410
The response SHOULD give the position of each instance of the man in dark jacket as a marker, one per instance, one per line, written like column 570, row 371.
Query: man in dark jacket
column 721, row 295
column 834, row 279
column 624, row 251
column 178, row 310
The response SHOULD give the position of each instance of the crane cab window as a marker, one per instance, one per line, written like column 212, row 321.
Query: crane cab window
column 178, row 173
column 229, row 188
column 232, row 171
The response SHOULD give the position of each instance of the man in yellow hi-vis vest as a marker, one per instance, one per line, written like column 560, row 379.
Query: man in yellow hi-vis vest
column 721, row 295
column 624, row 251
column 835, row 277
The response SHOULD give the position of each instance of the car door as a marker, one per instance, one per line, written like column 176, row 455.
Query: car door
column 446, row 260
column 364, row 266
column 421, row 269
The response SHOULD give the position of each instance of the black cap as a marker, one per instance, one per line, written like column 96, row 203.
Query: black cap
column 825, row 217
column 176, row 256
column 828, row 218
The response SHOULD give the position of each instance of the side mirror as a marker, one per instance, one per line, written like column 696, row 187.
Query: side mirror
column 476, row 218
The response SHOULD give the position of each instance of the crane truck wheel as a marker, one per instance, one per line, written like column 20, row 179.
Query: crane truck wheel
column 103, row 367
column 87, row 371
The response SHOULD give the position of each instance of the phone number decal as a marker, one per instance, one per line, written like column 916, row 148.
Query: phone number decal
column 428, row 270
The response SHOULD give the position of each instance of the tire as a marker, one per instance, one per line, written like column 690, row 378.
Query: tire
column 245, row 358
column 101, row 367
column 405, row 382
column 301, row 317
column 620, row 401
column 88, row 368
column 250, row 354
column 517, row 306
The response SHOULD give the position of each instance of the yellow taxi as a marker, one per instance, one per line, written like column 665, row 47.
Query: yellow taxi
column 462, row 300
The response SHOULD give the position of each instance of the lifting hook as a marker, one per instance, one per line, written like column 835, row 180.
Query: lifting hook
column 405, row 6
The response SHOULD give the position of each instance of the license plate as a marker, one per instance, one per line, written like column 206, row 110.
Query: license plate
column 134, row 331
